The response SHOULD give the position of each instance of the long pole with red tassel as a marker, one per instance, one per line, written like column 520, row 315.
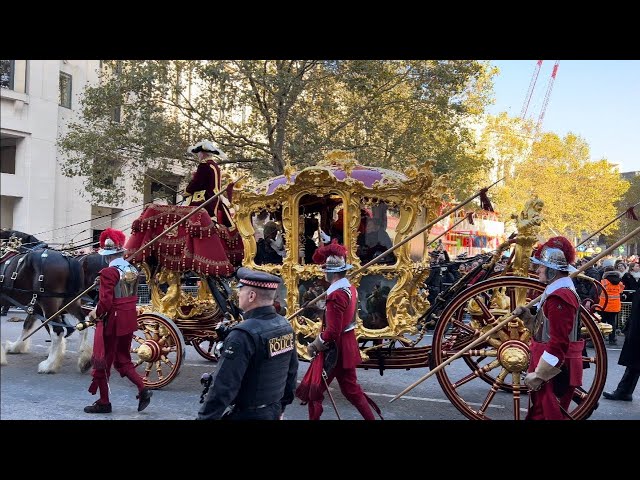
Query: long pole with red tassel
column 629, row 212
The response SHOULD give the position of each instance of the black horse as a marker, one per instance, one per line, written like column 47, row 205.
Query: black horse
column 91, row 264
column 44, row 280
column 27, row 241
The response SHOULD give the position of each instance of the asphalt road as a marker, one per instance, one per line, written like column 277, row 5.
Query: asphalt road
column 27, row 395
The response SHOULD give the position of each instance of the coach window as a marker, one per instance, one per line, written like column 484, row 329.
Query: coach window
column 65, row 90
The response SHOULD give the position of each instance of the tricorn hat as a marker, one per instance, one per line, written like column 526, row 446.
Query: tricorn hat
column 207, row 146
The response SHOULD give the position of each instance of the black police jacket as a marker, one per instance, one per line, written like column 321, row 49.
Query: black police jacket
column 259, row 365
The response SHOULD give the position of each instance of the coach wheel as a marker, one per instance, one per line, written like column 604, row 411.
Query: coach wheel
column 206, row 347
column 160, row 349
column 494, row 388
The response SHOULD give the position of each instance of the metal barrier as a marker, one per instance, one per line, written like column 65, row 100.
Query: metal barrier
column 625, row 311
column 144, row 296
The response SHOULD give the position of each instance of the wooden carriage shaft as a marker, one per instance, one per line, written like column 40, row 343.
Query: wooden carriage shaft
column 501, row 324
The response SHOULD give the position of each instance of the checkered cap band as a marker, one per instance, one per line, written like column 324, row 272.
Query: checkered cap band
column 254, row 283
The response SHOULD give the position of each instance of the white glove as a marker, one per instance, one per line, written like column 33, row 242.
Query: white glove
column 92, row 314
column 279, row 250
column 544, row 372
column 523, row 313
column 278, row 243
column 317, row 345
column 324, row 237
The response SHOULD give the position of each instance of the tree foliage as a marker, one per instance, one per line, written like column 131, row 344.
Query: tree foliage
column 579, row 195
column 265, row 114
column 626, row 225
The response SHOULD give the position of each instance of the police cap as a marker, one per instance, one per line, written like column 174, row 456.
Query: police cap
column 252, row 278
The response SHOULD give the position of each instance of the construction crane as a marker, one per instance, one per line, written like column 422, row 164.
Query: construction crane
column 532, row 85
column 547, row 95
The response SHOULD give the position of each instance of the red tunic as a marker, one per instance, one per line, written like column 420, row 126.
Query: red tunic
column 560, row 308
column 339, row 314
column 206, row 182
column 121, row 315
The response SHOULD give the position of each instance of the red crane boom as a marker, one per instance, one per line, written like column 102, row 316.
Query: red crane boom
column 532, row 85
column 547, row 95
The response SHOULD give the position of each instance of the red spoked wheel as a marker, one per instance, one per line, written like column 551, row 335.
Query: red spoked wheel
column 494, row 389
column 160, row 349
column 206, row 347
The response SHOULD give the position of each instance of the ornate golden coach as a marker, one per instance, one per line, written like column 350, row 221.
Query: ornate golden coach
column 368, row 210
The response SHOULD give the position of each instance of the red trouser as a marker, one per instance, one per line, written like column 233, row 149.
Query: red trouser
column 350, row 389
column 546, row 406
column 117, row 353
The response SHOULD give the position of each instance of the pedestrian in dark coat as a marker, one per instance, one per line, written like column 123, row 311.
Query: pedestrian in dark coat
column 630, row 355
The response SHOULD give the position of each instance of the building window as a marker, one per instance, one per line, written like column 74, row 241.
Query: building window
column 8, row 155
column 65, row 90
column 96, row 237
column 164, row 192
column 7, row 70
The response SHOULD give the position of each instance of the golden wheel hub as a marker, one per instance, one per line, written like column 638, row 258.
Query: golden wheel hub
column 149, row 351
column 514, row 356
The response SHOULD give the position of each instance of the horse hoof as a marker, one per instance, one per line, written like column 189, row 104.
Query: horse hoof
column 84, row 367
column 15, row 347
column 44, row 368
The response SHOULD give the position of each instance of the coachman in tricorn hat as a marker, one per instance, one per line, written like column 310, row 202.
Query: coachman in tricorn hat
column 207, row 181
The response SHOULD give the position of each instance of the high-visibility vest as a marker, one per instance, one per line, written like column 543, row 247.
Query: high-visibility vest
column 614, row 292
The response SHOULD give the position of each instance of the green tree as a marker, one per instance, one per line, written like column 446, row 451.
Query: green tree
column 506, row 140
column 626, row 225
column 265, row 114
column 579, row 195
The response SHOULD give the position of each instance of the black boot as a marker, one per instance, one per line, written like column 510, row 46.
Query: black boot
column 144, row 399
column 98, row 408
column 625, row 388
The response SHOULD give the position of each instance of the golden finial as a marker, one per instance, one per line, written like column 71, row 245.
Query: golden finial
column 288, row 171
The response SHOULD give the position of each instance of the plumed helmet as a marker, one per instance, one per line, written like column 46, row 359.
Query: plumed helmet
column 333, row 257
column 207, row 146
column 556, row 253
column 111, row 241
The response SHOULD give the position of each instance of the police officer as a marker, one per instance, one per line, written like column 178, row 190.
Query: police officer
column 257, row 374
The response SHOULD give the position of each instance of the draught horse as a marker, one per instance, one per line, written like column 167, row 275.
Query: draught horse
column 45, row 280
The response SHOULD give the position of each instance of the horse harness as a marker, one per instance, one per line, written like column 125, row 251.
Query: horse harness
column 6, row 284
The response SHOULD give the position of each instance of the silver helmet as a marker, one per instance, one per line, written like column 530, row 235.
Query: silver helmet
column 335, row 263
column 553, row 258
